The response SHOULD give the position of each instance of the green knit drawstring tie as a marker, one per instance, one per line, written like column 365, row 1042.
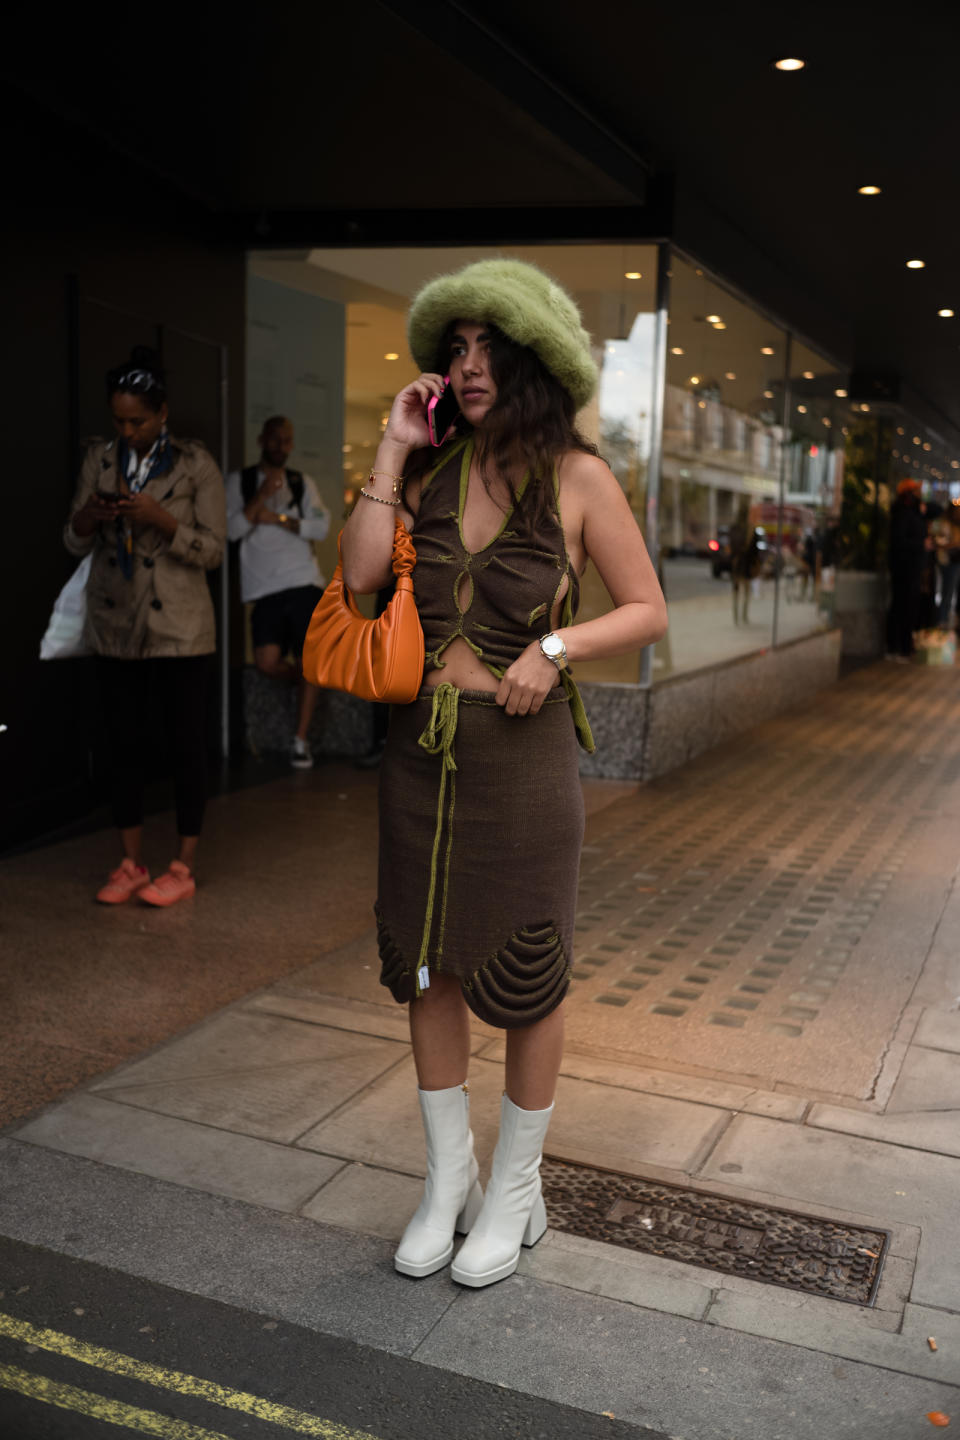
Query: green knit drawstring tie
column 437, row 739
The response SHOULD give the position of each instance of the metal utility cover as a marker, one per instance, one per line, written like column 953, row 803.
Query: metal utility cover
column 759, row 1242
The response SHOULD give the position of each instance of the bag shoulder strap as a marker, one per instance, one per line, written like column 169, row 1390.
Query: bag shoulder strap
column 248, row 483
column 295, row 481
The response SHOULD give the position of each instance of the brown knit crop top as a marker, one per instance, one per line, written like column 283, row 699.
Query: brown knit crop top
column 514, row 581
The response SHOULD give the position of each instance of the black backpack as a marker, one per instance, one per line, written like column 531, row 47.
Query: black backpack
column 248, row 486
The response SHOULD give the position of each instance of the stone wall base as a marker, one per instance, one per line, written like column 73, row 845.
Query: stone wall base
column 642, row 734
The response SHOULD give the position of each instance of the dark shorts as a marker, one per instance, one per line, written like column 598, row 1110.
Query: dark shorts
column 282, row 618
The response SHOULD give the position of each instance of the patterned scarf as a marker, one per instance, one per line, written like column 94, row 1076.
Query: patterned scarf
column 161, row 461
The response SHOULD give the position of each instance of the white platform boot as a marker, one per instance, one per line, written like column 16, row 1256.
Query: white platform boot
column 452, row 1196
column 513, row 1211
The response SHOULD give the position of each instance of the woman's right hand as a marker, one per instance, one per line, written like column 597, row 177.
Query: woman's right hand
column 407, row 425
column 92, row 514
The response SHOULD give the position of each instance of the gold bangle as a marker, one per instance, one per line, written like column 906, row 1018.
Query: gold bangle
column 379, row 498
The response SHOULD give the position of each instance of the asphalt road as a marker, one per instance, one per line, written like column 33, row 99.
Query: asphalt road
column 88, row 1353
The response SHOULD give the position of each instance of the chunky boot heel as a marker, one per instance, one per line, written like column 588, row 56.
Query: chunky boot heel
column 452, row 1197
column 536, row 1225
column 513, row 1212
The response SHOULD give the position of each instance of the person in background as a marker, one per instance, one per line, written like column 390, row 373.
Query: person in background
column 946, row 536
column 907, row 556
column 276, row 513
column 744, row 562
column 151, row 510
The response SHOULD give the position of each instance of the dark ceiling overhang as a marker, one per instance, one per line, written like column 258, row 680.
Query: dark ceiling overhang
column 389, row 122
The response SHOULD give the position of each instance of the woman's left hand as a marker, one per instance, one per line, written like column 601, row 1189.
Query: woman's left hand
column 527, row 682
column 147, row 511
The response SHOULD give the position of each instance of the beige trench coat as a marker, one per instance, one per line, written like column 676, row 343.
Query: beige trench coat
column 165, row 607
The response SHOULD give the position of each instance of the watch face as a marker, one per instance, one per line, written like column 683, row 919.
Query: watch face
column 552, row 645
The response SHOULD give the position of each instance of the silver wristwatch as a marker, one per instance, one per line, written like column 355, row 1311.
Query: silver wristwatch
column 553, row 648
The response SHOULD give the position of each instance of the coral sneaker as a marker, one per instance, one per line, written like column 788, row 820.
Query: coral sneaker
column 177, row 884
column 125, row 881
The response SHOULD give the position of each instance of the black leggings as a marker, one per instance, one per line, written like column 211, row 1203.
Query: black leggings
column 175, row 689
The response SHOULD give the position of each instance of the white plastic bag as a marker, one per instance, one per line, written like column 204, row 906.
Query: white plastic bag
column 64, row 634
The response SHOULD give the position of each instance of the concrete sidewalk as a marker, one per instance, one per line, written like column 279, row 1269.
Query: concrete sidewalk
column 766, row 1005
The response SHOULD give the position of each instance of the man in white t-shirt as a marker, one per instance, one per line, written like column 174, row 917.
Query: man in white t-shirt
column 276, row 513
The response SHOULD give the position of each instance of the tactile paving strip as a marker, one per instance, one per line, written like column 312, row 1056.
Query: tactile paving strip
column 757, row 1242
column 735, row 898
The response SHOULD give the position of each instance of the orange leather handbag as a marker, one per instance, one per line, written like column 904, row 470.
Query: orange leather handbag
column 378, row 659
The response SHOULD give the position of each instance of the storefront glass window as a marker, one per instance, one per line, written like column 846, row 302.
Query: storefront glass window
column 720, row 481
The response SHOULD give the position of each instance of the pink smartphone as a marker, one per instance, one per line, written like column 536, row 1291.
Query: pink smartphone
column 442, row 410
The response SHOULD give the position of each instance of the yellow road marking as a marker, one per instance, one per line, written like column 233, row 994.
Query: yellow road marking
column 100, row 1407
column 118, row 1364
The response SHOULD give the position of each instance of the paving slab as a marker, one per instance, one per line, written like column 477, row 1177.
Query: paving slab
column 936, row 1132
column 364, row 1198
column 695, row 1381
column 260, row 1075
column 675, row 1084
column 928, row 1080
column 181, row 1151
column 365, row 1017
column 800, row 1320
column 593, row 1124
column 815, row 1167
column 939, row 1029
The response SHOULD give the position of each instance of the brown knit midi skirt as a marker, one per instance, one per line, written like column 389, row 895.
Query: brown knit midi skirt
column 481, row 824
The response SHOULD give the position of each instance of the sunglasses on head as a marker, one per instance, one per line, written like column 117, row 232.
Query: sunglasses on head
column 137, row 381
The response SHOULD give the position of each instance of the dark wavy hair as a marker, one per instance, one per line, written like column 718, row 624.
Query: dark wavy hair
column 530, row 425
column 140, row 375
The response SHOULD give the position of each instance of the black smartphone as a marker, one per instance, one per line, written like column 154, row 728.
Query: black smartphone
column 441, row 413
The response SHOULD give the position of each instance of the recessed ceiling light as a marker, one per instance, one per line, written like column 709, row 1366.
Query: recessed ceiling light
column 767, row 350
column 865, row 409
column 916, row 264
column 916, row 439
column 801, row 409
column 844, row 430
column 827, row 421
column 927, row 445
column 702, row 404
column 720, row 325
column 840, row 394
column 730, row 375
column 955, row 464
column 791, row 63
column 895, row 454
column 694, row 379
column 633, row 275
column 869, row 190
column 676, row 350
column 768, row 394
column 391, row 355
column 712, row 319
column 900, row 430
column 945, row 314
column 809, row 375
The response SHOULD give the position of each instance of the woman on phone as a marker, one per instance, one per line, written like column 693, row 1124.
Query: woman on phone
column 151, row 508
column 481, row 810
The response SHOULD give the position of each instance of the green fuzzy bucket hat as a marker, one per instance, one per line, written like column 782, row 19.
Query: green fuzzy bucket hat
column 521, row 301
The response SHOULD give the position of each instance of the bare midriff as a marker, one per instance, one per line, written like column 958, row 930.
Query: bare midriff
column 461, row 667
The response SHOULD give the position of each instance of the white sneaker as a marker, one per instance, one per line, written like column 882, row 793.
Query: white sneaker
column 301, row 756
